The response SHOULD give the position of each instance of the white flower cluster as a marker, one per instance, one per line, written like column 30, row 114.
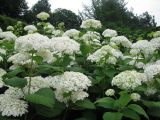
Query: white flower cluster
column 72, row 33
column 57, row 33
column 135, row 97
column 11, row 106
column 70, row 86
column 43, row 16
column 2, row 72
column 156, row 34
column 64, row 45
column 121, row 40
column 152, row 70
column 9, row 36
column 2, row 52
column 105, row 54
column 91, row 23
column 109, row 33
column 91, row 38
column 30, row 28
column 129, row 80
column 10, row 28
column 142, row 46
column 110, row 92
column 49, row 28
column 155, row 42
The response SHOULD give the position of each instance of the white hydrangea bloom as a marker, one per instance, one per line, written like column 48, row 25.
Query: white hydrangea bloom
column 1, row 59
column 155, row 42
column 10, row 106
column 30, row 42
column 150, row 91
column 109, row 33
column 110, row 92
column 91, row 38
column 64, row 45
column 30, row 28
column 101, row 53
column 2, row 51
column 152, row 70
column 49, row 28
column 91, row 23
column 135, row 97
column 8, row 36
column 10, row 28
column 19, row 58
column 121, row 40
column 129, row 80
column 14, row 92
column 72, row 33
column 156, row 34
column 57, row 33
column 37, row 83
column 73, row 83
column 142, row 46
column 1, row 30
column 2, row 72
column 43, row 16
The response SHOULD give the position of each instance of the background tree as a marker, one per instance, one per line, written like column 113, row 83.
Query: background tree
column 113, row 13
column 13, row 8
column 70, row 19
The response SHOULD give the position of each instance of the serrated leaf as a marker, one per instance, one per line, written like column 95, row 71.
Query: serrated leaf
column 131, row 114
column 44, row 96
column 16, row 82
column 112, row 116
column 106, row 102
column 85, row 104
column 138, row 109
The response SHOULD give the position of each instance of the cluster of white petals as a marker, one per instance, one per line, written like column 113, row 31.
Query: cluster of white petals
column 109, row 33
column 43, row 16
column 91, row 38
column 72, row 33
column 2, row 72
column 121, row 40
column 11, row 106
column 57, row 33
column 105, row 54
column 91, row 23
column 71, row 83
column 135, row 97
column 10, row 28
column 110, row 92
column 129, row 80
column 142, row 46
column 9, row 36
column 30, row 28
column 156, row 34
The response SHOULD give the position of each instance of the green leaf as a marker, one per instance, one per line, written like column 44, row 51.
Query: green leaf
column 44, row 96
column 150, row 104
column 123, row 100
column 138, row 109
column 131, row 114
column 112, row 116
column 106, row 102
column 16, row 82
column 85, row 104
column 14, row 72
column 38, row 59
column 50, row 112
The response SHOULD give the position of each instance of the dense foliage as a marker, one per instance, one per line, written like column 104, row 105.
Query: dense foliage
column 47, row 73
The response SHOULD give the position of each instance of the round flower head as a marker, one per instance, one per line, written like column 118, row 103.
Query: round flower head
column 9, row 36
column 91, row 23
column 43, row 16
column 129, row 80
column 10, row 28
column 30, row 28
column 109, row 33
column 156, row 34
column 135, row 97
column 72, row 33
column 110, row 92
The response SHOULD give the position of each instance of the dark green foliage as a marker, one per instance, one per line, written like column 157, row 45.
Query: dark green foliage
column 13, row 8
column 70, row 19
